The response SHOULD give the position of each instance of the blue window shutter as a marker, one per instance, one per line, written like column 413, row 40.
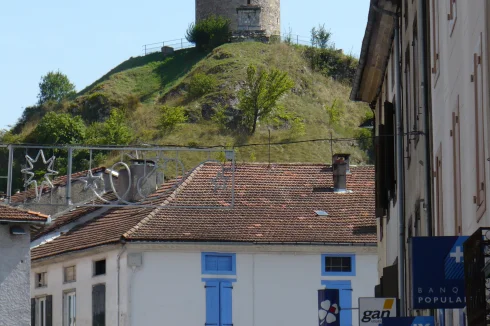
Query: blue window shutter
column 345, row 290
column 211, row 263
column 212, row 303
column 225, row 263
column 226, row 304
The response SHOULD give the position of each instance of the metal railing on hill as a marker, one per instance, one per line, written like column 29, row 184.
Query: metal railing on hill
column 177, row 44
column 182, row 43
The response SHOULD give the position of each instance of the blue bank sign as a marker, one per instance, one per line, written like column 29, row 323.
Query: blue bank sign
column 408, row 321
column 438, row 272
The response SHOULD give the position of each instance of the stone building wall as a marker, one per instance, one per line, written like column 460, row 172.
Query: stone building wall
column 270, row 12
column 15, row 303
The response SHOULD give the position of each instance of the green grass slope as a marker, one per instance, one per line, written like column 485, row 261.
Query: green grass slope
column 156, row 80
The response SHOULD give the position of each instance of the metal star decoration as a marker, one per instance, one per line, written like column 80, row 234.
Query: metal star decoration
column 90, row 181
column 49, row 169
column 219, row 181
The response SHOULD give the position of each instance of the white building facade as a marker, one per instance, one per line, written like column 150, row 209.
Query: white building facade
column 179, row 285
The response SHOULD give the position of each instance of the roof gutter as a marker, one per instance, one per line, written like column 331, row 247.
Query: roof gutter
column 376, row 47
column 48, row 221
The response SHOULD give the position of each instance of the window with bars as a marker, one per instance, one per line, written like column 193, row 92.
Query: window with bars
column 338, row 264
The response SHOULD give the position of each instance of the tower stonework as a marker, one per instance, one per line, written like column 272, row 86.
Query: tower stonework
column 268, row 13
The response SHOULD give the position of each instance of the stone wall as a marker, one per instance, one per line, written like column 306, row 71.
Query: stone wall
column 15, row 264
column 270, row 12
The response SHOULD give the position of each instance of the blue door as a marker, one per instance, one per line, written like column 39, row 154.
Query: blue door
column 345, row 291
column 218, row 303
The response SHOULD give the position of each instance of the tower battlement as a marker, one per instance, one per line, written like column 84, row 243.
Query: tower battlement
column 244, row 14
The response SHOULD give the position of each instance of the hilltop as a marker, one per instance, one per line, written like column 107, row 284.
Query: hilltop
column 142, row 85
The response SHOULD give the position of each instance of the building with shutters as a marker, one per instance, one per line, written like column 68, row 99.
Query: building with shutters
column 293, row 229
column 440, row 101
column 15, row 224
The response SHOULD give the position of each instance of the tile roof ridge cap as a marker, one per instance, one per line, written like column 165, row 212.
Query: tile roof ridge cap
column 170, row 197
column 38, row 214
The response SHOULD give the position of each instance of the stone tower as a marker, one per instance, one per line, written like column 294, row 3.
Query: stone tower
column 245, row 15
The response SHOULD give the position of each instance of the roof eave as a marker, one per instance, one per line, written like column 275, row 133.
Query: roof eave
column 27, row 221
column 375, row 51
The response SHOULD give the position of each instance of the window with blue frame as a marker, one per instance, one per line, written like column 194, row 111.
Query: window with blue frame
column 218, row 263
column 218, row 303
column 338, row 265
column 218, row 289
column 345, row 293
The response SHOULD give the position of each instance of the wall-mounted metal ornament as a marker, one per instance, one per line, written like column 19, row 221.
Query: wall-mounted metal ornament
column 29, row 171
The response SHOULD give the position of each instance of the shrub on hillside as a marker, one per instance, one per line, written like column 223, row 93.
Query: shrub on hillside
column 59, row 128
column 170, row 117
column 209, row 33
column 113, row 131
column 201, row 84
column 333, row 63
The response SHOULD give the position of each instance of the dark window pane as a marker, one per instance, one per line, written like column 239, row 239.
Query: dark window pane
column 99, row 268
column 338, row 264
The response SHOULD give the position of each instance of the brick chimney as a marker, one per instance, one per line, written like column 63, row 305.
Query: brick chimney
column 340, row 165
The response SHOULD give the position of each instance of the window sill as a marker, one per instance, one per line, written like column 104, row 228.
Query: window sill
column 41, row 287
column 68, row 282
column 99, row 275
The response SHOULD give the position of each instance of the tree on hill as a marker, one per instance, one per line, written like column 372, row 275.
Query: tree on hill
column 262, row 91
column 59, row 128
column 55, row 86
column 209, row 33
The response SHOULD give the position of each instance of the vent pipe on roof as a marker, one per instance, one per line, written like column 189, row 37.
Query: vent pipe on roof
column 340, row 169
column 141, row 179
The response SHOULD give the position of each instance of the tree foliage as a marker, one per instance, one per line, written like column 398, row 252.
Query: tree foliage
column 170, row 117
column 55, row 86
column 113, row 131
column 259, row 98
column 59, row 128
column 201, row 84
column 209, row 33
column 320, row 37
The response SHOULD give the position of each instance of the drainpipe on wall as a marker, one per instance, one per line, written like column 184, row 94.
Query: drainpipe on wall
column 123, row 249
column 400, row 182
column 424, row 91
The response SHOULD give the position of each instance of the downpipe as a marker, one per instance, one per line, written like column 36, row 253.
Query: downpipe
column 424, row 92
column 400, row 182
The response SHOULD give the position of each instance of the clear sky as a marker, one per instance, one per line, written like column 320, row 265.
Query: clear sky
column 85, row 39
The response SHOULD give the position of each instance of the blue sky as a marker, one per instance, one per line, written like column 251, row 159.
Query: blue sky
column 85, row 39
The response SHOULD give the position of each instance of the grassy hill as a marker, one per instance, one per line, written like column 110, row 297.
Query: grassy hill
column 142, row 85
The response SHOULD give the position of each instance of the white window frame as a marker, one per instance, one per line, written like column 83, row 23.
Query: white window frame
column 69, row 308
column 41, row 307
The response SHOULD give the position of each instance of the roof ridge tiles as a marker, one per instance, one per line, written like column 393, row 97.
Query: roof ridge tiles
column 170, row 197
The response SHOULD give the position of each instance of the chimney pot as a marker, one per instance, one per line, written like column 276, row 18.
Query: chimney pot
column 340, row 168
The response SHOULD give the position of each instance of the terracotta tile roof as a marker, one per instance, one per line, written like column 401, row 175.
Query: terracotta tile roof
column 8, row 213
column 272, row 205
column 70, row 216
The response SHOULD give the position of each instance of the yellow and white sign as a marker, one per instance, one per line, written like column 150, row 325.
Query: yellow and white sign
column 371, row 310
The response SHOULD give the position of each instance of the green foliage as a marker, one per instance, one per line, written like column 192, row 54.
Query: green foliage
column 261, row 93
column 288, row 37
column 113, row 131
column 170, row 117
column 334, row 113
column 59, row 128
column 333, row 63
column 365, row 141
column 220, row 118
column 55, row 86
column 94, row 107
column 209, row 33
column 201, row 84
column 320, row 37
